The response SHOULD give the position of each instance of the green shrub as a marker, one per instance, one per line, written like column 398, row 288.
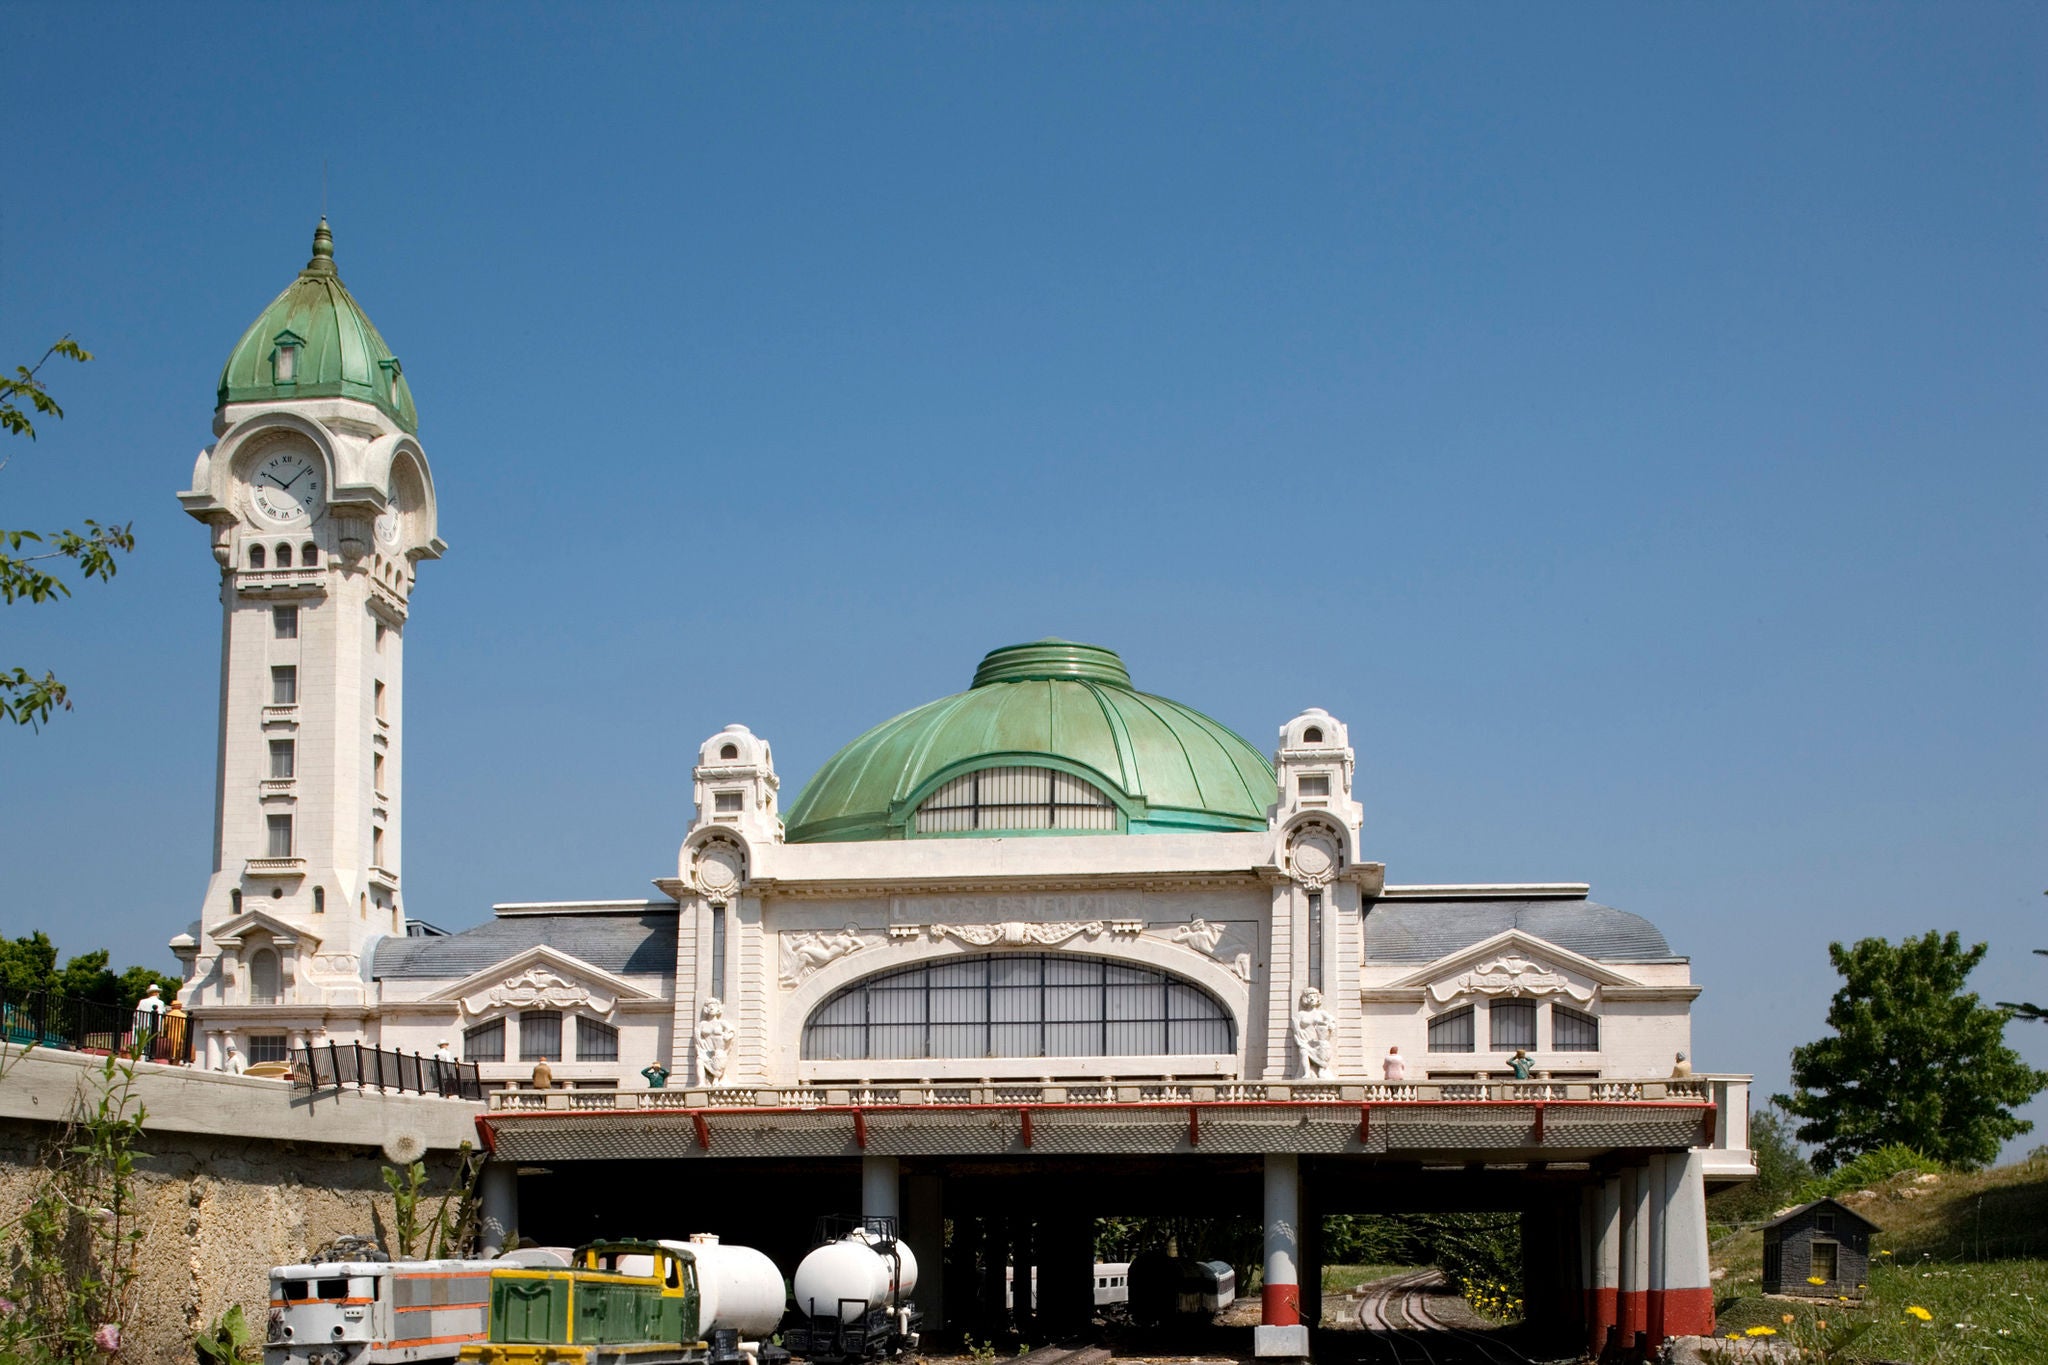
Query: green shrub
column 1868, row 1172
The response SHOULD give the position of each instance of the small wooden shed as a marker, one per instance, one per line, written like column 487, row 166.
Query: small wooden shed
column 1822, row 1241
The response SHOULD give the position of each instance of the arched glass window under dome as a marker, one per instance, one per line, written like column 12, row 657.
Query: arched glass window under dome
column 1018, row 1005
column 1016, row 798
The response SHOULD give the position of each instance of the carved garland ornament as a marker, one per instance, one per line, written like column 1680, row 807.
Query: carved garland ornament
column 1509, row 975
column 537, row 988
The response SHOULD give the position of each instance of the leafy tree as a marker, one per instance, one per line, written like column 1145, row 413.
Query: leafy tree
column 1782, row 1170
column 1914, row 1060
column 32, row 577
column 29, row 963
column 2022, row 1010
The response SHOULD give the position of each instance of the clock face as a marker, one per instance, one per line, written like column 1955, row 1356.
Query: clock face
column 387, row 529
column 286, row 488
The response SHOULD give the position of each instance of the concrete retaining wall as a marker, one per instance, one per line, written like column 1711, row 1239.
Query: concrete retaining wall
column 235, row 1176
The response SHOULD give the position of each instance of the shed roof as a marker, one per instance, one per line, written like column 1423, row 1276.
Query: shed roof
column 1789, row 1214
column 635, row 943
column 1423, row 931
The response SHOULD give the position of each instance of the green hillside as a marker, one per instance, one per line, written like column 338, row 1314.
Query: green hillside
column 1968, row 1251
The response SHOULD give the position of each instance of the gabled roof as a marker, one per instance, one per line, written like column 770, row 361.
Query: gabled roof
column 235, row 929
column 1426, row 930
column 1843, row 1209
column 1516, row 943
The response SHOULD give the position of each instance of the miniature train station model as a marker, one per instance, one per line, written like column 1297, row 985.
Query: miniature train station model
column 1046, row 949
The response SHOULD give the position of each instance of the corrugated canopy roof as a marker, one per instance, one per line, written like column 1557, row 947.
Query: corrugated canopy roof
column 1423, row 931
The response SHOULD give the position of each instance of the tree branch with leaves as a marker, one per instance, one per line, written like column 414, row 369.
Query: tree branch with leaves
column 32, row 577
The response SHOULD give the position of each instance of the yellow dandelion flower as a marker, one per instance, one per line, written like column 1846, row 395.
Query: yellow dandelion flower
column 1815, row 1279
column 1762, row 1332
column 1921, row 1313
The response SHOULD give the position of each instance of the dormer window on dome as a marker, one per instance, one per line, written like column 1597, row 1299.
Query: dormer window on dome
column 391, row 370
column 1016, row 798
column 284, row 357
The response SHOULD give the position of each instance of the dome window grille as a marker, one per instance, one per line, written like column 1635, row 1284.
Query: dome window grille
column 1008, row 1005
column 1016, row 799
column 284, row 358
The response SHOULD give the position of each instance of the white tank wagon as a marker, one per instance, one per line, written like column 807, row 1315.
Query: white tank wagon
column 738, row 1288
column 367, row 1311
column 850, row 1297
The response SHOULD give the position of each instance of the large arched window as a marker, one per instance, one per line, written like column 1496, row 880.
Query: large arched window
column 1016, row 798
column 1017, row 1005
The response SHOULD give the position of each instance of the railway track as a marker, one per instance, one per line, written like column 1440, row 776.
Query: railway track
column 1402, row 1329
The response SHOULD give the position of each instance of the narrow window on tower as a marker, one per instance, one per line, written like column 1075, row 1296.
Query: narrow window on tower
column 284, row 622
column 283, row 759
column 284, row 685
column 380, row 637
column 309, row 554
column 377, row 696
column 319, row 900
column 256, row 560
column 284, row 556
column 377, row 846
column 1315, row 939
column 280, row 835
column 377, row 773
column 718, row 951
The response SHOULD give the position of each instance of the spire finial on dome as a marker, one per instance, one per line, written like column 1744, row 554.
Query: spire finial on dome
column 323, row 250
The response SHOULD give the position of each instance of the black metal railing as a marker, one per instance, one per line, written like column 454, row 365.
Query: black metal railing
column 330, row 1066
column 66, row 1024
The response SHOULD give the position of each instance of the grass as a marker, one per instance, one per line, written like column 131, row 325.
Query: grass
column 1342, row 1279
column 1970, row 1251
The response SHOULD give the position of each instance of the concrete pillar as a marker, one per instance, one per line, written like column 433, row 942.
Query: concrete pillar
column 1281, row 1332
column 924, row 1228
column 1066, row 1271
column 1682, row 1298
column 1310, row 1261
column 498, row 1206
column 1603, row 1308
column 1653, row 1283
column 1632, row 1303
column 878, row 1177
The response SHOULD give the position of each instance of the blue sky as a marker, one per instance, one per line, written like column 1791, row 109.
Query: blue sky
column 1628, row 419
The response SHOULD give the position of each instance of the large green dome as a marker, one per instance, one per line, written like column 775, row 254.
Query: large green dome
column 338, row 351
column 1051, row 704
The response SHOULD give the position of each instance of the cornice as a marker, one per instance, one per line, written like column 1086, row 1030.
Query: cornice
column 820, row 889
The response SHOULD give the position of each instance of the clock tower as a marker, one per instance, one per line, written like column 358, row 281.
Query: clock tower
column 321, row 508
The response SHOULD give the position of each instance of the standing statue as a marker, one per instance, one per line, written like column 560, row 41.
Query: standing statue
column 714, row 1042
column 1315, row 1034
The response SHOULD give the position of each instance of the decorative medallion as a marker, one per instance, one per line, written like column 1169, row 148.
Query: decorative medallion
column 1313, row 857
column 718, row 870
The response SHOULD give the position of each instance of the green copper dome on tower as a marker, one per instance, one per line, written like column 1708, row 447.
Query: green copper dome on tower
column 1150, row 765
column 315, row 341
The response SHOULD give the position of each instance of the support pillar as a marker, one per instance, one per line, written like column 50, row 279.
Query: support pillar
column 1682, row 1300
column 1653, row 1300
column 878, row 1177
column 1632, row 1306
column 498, row 1205
column 1066, row 1271
column 1281, row 1332
column 1602, row 1312
column 924, row 1228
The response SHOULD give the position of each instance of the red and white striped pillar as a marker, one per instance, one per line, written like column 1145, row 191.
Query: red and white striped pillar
column 1604, row 1246
column 1681, row 1295
column 1281, row 1332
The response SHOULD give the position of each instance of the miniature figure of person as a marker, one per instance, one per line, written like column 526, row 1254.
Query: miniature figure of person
column 1315, row 1034
column 234, row 1065
column 149, row 1011
column 543, row 1075
column 1521, row 1064
column 176, row 1026
column 1395, row 1068
column 1681, row 1068
column 657, row 1076
column 714, row 1042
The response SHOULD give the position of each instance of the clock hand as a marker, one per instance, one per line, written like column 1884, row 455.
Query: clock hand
column 273, row 479
column 300, row 475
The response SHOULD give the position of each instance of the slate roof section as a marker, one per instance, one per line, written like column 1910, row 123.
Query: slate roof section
column 1423, row 931
column 633, row 943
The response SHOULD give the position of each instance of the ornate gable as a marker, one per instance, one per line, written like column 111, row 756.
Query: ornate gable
column 539, row 978
column 1511, row 964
